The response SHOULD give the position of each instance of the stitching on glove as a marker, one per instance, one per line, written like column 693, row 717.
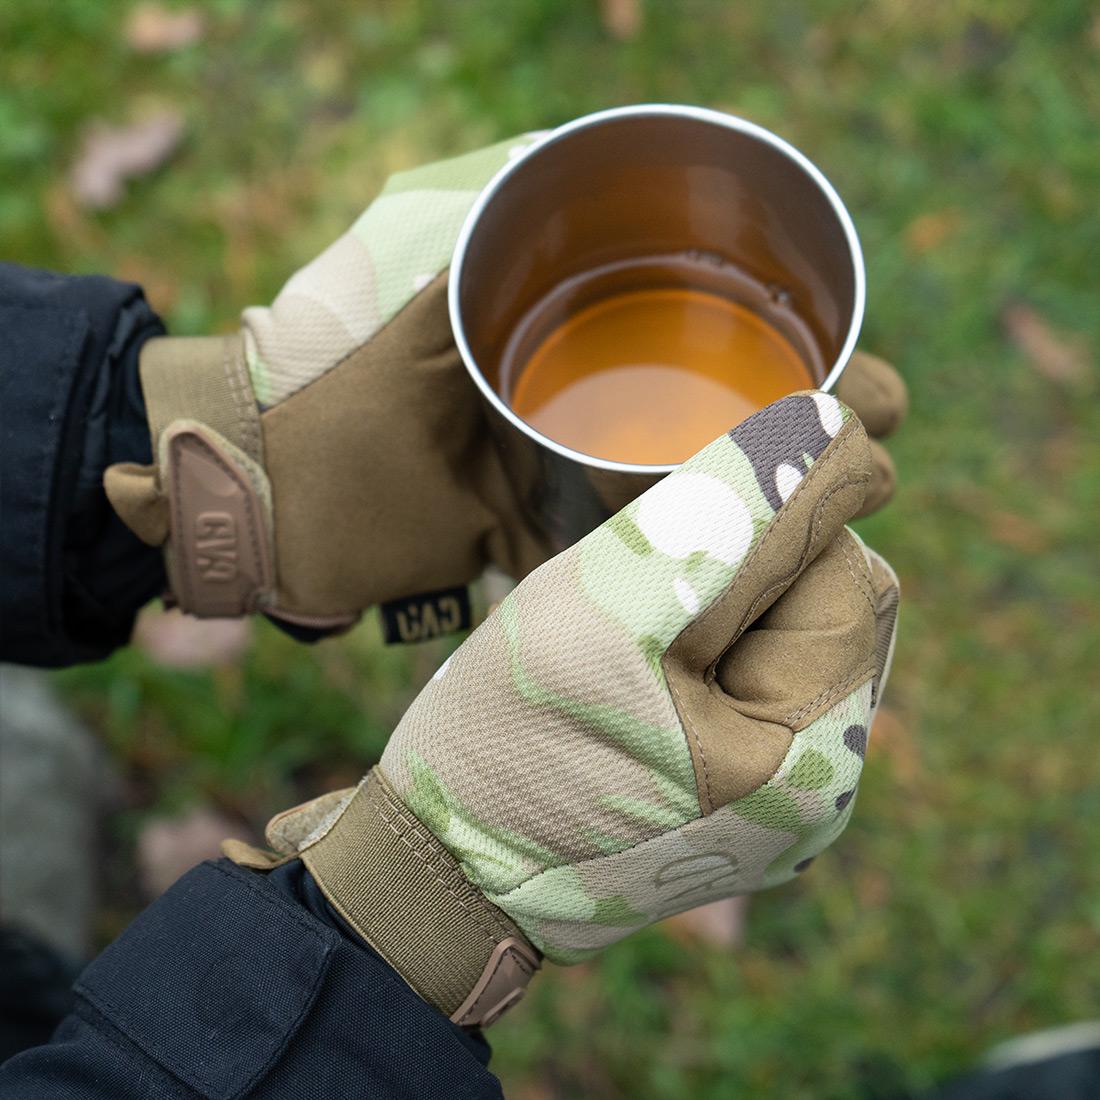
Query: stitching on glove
column 840, row 443
column 247, row 426
column 683, row 712
column 784, row 583
column 831, row 694
column 860, row 574
column 434, row 861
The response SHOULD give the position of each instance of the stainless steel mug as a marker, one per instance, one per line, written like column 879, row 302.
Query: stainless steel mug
column 628, row 183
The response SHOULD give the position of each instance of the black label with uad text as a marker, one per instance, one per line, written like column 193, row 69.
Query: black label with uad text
column 429, row 615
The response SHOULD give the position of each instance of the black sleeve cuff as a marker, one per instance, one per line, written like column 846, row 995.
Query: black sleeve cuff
column 73, row 575
column 227, row 987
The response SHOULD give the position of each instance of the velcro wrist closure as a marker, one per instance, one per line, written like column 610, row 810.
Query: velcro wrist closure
column 205, row 379
column 392, row 880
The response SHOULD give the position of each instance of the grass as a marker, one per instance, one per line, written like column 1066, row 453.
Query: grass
column 963, row 904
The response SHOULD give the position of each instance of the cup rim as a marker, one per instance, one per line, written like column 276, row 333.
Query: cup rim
column 701, row 114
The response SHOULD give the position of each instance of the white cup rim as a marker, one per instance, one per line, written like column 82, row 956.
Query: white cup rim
column 702, row 114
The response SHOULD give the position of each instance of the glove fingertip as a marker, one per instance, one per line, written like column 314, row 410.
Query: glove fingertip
column 876, row 393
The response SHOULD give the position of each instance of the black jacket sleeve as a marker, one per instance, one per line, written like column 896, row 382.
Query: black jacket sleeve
column 236, row 984
column 72, row 575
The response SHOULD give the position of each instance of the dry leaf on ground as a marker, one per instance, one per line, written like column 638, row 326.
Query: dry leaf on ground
column 175, row 640
column 721, row 923
column 167, row 848
column 111, row 155
column 929, row 231
column 622, row 19
column 1018, row 532
column 892, row 739
column 1061, row 357
column 153, row 28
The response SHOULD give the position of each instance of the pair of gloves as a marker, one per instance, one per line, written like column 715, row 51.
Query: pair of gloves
column 671, row 711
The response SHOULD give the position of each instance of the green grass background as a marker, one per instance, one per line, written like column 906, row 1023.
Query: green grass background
column 963, row 904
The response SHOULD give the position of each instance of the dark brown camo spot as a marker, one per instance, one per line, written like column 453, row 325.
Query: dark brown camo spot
column 842, row 800
column 855, row 737
column 781, row 434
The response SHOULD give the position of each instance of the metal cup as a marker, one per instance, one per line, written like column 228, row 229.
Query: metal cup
column 627, row 183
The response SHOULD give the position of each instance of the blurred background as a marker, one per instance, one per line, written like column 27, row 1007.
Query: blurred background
column 208, row 150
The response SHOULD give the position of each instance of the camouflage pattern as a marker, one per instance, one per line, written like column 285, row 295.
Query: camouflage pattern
column 547, row 755
column 758, row 841
column 337, row 302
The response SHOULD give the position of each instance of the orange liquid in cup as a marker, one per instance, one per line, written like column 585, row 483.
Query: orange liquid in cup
column 651, row 376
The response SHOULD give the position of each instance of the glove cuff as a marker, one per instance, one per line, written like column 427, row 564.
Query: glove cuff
column 202, row 378
column 392, row 880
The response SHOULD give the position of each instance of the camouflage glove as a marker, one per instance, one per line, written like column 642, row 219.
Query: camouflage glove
column 333, row 453
column 671, row 711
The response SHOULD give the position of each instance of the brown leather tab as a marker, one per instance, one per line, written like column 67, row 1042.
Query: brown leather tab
column 135, row 495
column 502, row 984
column 256, row 859
column 219, row 547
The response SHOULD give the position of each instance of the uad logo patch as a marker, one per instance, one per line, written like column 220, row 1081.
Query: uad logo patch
column 216, row 547
column 429, row 615
column 696, row 879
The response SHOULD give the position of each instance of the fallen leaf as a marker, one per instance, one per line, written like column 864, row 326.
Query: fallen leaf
column 168, row 848
column 721, row 923
column 175, row 640
column 153, row 28
column 71, row 226
column 1062, row 453
column 927, row 232
column 622, row 19
column 892, row 740
column 1018, row 532
column 111, row 155
column 873, row 887
column 161, row 286
column 1061, row 357
column 577, row 977
column 532, row 1090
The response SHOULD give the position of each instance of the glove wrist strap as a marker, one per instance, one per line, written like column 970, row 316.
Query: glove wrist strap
column 402, row 891
column 203, row 379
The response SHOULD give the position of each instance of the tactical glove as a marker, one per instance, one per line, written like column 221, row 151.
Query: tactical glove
column 333, row 453
column 672, row 711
